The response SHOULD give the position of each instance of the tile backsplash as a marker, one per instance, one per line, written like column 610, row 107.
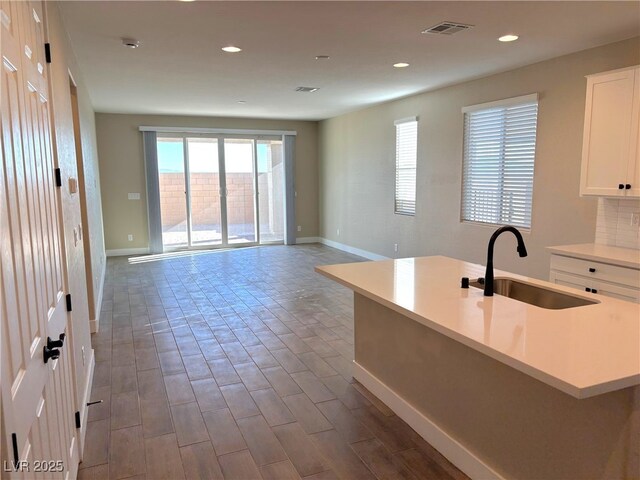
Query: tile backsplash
column 613, row 226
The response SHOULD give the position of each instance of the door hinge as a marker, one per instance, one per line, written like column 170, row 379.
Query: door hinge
column 69, row 306
column 47, row 52
column 77, row 419
column 14, row 441
column 58, row 177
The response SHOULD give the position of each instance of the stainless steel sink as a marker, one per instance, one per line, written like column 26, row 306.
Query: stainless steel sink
column 534, row 295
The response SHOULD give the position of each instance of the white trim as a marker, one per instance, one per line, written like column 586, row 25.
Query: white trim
column 455, row 452
column 533, row 97
column 94, row 324
column 73, row 80
column 84, row 410
column 120, row 252
column 353, row 250
column 221, row 131
column 633, row 67
column 400, row 121
column 300, row 240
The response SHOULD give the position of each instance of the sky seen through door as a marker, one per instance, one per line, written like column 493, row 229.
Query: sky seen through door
column 170, row 156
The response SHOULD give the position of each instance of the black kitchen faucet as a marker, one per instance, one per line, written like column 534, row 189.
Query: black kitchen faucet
column 522, row 251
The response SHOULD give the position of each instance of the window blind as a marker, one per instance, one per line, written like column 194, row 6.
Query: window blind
column 406, row 157
column 499, row 155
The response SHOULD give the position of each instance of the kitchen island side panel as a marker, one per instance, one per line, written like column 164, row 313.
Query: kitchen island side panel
column 517, row 425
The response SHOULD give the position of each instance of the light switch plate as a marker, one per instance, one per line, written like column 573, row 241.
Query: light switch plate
column 134, row 196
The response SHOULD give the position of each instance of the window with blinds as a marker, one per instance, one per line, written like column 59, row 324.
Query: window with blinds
column 499, row 157
column 406, row 158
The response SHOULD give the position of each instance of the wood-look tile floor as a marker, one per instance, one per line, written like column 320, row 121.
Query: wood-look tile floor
column 236, row 365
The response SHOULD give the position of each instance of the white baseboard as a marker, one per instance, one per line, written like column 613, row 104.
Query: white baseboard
column 353, row 250
column 86, row 398
column 300, row 240
column 122, row 252
column 455, row 452
column 94, row 324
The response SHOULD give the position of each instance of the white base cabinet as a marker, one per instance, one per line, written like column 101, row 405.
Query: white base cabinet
column 597, row 278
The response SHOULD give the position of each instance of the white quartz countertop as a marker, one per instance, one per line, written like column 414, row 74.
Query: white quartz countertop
column 626, row 257
column 582, row 351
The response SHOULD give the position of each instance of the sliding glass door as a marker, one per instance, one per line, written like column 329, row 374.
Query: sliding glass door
column 271, row 190
column 204, row 191
column 239, row 176
column 220, row 190
column 173, row 204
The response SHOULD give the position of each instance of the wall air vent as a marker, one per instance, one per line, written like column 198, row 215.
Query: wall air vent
column 447, row 28
column 307, row 89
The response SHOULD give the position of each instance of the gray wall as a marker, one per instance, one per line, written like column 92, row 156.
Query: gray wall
column 357, row 163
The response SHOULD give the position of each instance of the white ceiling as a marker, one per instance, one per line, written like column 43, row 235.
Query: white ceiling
column 180, row 69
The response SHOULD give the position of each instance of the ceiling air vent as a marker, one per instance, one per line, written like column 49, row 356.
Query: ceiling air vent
column 307, row 89
column 447, row 28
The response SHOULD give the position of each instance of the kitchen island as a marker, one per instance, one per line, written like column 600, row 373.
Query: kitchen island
column 504, row 389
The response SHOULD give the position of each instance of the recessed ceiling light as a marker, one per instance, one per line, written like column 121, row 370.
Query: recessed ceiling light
column 322, row 57
column 231, row 49
column 508, row 38
column 130, row 42
column 400, row 65
column 242, row 102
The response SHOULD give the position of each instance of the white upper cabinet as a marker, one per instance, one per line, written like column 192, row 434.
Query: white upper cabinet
column 611, row 142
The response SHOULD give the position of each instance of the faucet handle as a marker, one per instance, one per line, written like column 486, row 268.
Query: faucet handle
column 481, row 280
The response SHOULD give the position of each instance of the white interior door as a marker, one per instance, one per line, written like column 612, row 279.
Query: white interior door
column 37, row 398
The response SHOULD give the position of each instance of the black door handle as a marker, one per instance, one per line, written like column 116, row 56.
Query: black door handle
column 628, row 186
column 587, row 289
column 56, row 343
column 593, row 290
column 620, row 186
column 48, row 353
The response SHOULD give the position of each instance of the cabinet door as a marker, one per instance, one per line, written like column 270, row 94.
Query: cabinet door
column 607, row 133
column 633, row 171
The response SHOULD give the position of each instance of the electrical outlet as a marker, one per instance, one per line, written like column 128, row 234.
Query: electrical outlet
column 130, row 237
column 338, row 231
column 299, row 228
column 395, row 247
column 635, row 219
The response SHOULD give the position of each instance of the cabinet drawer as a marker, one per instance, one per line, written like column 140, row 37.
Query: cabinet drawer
column 597, row 271
column 601, row 287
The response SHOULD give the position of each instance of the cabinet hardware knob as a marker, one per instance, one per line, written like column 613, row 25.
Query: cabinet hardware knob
column 592, row 270
column 593, row 290
column 587, row 289
column 628, row 186
column 620, row 186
